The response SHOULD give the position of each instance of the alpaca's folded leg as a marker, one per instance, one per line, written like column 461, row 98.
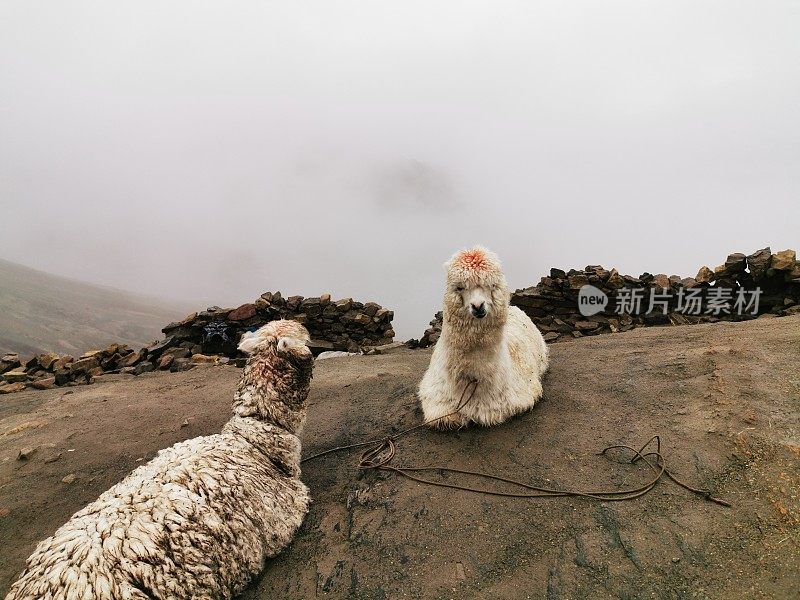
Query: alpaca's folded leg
column 451, row 421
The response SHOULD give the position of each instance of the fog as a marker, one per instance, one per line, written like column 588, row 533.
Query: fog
column 209, row 151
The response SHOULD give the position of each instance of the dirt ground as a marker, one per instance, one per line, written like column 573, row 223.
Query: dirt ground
column 725, row 398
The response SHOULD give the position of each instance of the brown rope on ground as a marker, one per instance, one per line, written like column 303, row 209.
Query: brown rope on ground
column 384, row 450
column 383, row 442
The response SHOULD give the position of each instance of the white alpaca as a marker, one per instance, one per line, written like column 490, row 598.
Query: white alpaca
column 201, row 518
column 483, row 340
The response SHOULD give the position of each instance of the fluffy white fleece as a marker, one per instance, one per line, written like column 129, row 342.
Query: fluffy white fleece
column 502, row 350
column 201, row 518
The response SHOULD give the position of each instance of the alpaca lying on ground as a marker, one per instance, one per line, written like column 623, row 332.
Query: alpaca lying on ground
column 483, row 340
column 201, row 518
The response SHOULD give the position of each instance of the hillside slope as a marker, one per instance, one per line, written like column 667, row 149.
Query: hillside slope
column 724, row 397
column 42, row 312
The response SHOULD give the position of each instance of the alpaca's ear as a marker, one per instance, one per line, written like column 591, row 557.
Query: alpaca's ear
column 286, row 343
column 252, row 342
column 248, row 343
column 293, row 346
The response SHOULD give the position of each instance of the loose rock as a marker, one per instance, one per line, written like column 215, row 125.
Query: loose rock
column 45, row 383
column 11, row 388
column 15, row 376
column 26, row 453
column 784, row 260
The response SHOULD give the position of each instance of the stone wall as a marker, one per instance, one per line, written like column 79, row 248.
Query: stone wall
column 210, row 336
column 334, row 325
column 553, row 304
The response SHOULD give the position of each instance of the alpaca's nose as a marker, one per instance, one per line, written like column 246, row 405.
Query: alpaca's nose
column 478, row 311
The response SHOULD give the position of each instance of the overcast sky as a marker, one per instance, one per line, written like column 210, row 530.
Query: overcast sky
column 210, row 151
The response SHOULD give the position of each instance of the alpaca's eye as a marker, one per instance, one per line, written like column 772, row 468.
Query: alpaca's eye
column 459, row 288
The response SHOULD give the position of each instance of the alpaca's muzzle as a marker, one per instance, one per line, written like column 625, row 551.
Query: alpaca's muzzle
column 478, row 311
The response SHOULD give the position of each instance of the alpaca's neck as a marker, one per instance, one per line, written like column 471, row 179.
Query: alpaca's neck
column 473, row 349
column 484, row 339
column 250, row 401
column 274, row 391
column 279, row 446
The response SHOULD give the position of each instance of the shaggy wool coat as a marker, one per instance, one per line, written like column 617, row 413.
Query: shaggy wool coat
column 200, row 519
column 504, row 352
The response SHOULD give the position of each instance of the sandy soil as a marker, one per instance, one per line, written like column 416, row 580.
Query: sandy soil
column 725, row 398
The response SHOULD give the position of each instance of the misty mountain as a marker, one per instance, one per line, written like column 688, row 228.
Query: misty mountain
column 43, row 312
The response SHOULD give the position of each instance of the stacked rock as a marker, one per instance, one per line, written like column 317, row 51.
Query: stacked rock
column 210, row 336
column 47, row 370
column 431, row 335
column 344, row 324
column 553, row 304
